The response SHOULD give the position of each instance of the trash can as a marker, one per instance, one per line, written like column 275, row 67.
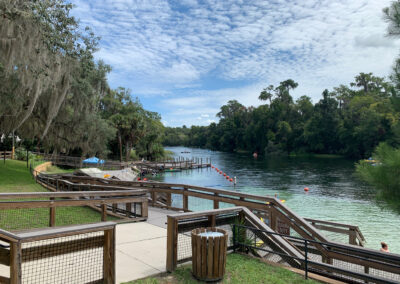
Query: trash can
column 209, row 247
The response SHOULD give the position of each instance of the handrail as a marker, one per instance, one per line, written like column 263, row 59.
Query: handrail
column 268, row 204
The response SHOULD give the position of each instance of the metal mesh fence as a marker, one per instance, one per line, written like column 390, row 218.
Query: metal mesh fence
column 249, row 240
column 72, row 259
column 16, row 219
column 185, row 228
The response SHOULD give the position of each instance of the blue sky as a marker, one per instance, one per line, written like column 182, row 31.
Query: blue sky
column 185, row 59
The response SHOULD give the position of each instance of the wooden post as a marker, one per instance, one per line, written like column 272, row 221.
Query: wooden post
column 352, row 237
column 103, row 212
column 114, row 207
column 272, row 220
column 153, row 198
column 15, row 263
column 145, row 209
column 185, row 198
column 216, row 202
column 169, row 200
column 52, row 219
column 109, row 257
column 212, row 220
column 128, row 209
column 172, row 244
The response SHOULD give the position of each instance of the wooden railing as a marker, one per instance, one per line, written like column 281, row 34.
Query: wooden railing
column 120, row 204
column 61, row 250
column 6, row 155
column 347, row 262
column 274, row 212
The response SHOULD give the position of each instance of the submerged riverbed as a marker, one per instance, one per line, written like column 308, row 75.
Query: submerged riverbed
column 335, row 193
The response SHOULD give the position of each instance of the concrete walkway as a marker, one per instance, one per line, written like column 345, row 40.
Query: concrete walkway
column 141, row 248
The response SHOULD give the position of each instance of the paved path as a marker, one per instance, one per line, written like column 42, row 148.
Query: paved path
column 141, row 247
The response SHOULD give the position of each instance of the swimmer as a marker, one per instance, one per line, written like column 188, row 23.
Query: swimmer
column 384, row 247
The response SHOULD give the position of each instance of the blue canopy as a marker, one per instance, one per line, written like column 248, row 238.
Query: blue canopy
column 93, row 160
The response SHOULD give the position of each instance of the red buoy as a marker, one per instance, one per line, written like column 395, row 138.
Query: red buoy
column 231, row 180
column 220, row 173
column 224, row 174
column 138, row 178
column 306, row 189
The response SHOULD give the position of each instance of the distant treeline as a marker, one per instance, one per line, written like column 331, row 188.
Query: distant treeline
column 350, row 120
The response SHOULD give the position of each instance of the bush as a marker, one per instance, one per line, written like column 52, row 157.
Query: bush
column 384, row 173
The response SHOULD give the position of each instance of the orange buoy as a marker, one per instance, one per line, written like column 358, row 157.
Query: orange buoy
column 144, row 179
column 306, row 189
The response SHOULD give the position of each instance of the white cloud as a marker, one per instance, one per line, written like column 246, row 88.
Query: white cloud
column 192, row 53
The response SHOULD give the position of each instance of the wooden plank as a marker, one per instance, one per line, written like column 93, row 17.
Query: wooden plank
column 221, row 253
column 216, row 257
column 103, row 212
column 203, row 257
column 185, row 200
column 210, row 257
column 15, row 263
column 50, row 233
column 171, row 224
column 109, row 257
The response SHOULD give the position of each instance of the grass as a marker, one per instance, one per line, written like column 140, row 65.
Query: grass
column 239, row 269
column 57, row 170
column 15, row 177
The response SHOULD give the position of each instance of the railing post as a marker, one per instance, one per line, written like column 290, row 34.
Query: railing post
column 15, row 263
column 234, row 237
column 185, row 200
column 128, row 209
column 109, row 256
column 306, row 259
column 352, row 237
column 216, row 202
column 52, row 219
column 103, row 212
column 145, row 208
column 169, row 200
column 172, row 244
column 212, row 221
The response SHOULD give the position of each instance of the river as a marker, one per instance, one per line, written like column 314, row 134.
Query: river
column 335, row 194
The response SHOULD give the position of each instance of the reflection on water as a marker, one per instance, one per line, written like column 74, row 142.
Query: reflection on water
column 335, row 194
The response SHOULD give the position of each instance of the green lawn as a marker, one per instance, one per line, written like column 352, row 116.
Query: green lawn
column 239, row 269
column 15, row 177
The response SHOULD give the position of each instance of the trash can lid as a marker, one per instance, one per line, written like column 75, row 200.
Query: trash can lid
column 211, row 234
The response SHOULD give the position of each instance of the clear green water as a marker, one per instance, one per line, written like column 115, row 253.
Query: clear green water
column 335, row 193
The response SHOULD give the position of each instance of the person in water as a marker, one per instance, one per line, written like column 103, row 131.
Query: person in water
column 384, row 247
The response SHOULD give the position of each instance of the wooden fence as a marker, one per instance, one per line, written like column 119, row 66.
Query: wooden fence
column 334, row 260
column 121, row 205
column 274, row 212
column 6, row 155
column 84, row 254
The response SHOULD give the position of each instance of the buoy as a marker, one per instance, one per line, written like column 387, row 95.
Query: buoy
column 220, row 173
column 306, row 189
column 228, row 177
column 145, row 179
column 224, row 174
column 171, row 168
column 231, row 180
column 283, row 200
column 138, row 178
column 106, row 176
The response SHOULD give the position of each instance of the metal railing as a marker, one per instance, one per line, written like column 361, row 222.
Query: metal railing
column 247, row 237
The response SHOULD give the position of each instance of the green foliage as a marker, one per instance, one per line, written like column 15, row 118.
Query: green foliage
column 350, row 120
column 384, row 174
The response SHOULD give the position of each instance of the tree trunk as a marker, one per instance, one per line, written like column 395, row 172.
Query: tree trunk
column 128, row 151
column 120, row 146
